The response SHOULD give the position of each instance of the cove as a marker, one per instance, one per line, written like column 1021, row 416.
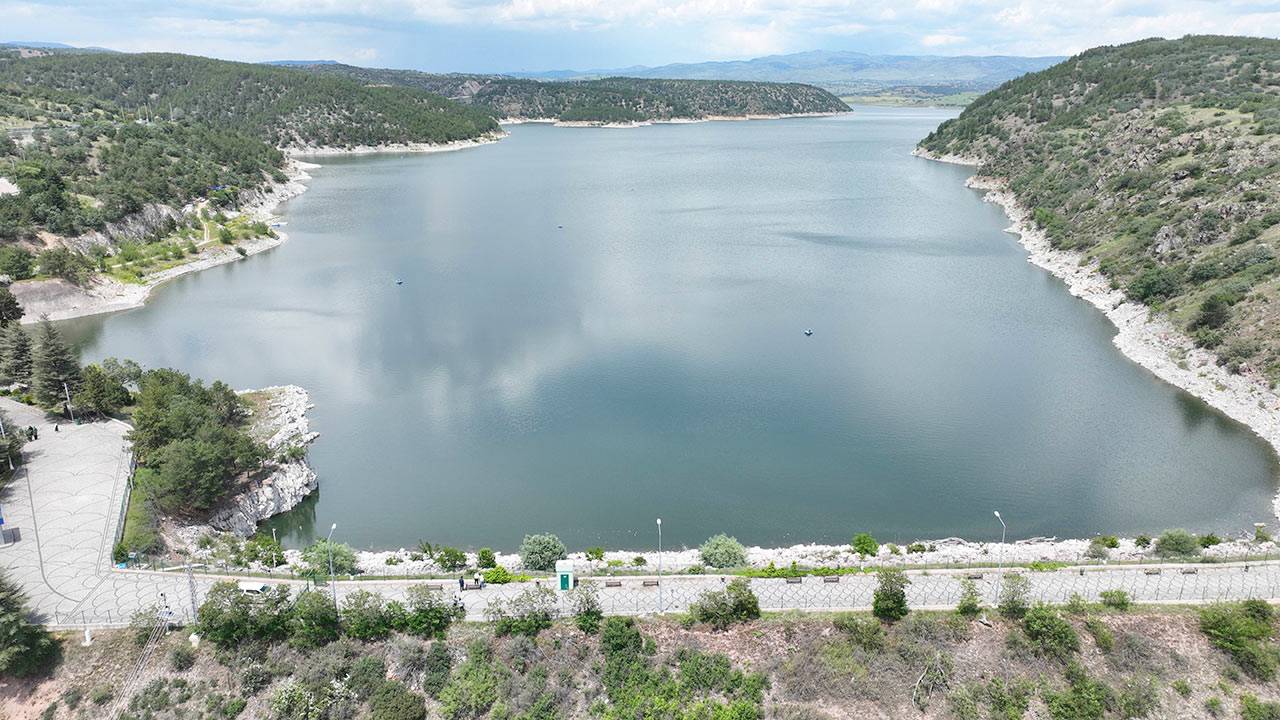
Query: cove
column 598, row 327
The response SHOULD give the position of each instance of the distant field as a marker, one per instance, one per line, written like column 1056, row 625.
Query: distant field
column 891, row 99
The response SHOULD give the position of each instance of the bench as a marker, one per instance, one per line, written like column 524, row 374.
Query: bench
column 793, row 581
column 650, row 583
column 973, row 576
column 831, row 579
column 1151, row 571
column 471, row 586
column 612, row 583
column 434, row 586
column 1190, row 571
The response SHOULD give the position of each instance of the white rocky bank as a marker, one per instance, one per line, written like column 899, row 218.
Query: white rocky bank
column 281, row 423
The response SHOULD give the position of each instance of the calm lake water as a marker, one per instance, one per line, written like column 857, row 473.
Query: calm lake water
column 598, row 327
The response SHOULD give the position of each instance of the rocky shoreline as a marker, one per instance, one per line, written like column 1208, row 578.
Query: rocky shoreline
column 328, row 151
column 669, row 121
column 1147, row 339
column 279, row 420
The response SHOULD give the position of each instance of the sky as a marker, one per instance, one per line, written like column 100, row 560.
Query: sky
column 528, row 35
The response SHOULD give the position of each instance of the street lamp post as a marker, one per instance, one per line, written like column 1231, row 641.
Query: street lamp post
column 1000, row 562
column 333, row 589
column 660, row 604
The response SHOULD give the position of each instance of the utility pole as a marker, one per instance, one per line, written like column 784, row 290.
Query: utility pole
column 67, row 392
column 661, row 606
column 333, row 589
column 191, row 588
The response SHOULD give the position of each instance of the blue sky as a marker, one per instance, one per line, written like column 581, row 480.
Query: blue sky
column 498, row 35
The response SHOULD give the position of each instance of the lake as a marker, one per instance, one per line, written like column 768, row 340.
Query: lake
column 598, row 327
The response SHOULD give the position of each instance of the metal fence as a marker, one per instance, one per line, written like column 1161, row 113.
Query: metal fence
column 937, row 590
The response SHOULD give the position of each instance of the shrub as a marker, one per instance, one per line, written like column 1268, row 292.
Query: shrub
column 1242, row 631
column 528, row 613
column 101, row 695
column 1177, row 543
column 1142, row 541
column 474, row 688
column 540, row 552
column 253, row 678
column 486, row 559
column 182, row 658
column 450, row 558
column 1182, row 687
column 394, row 701
column 587, row 612
column 501, row 576
column 865, row 545
column 595, row 554
column 436, row 669
column 1137, row 698
column 1115, row 599
column 863, row 632
column 229, row 618
column 1208, row 541
column 1102, row 636
column 639, row 561
column 722, row 608
column 366, row 675
column 1213, row 706
column 889, row 601
column 1050, row 634
column 316, row 556
column 1097, row 550
column 428, row 613
column 1015, row 596
column 314, row 621
column 1251, row 708
column 917, row 547
column 722, row 551
column 368, row 616
column 1083, row 699
column 970, row 601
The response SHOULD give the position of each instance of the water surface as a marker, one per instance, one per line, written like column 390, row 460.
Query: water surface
column 598, row 327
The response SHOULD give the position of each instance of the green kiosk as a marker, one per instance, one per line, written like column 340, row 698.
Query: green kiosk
column 564, row 570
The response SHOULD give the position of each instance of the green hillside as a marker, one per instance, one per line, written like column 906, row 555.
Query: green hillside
column 1161, row 160
column 92, row 138
column 607, row 100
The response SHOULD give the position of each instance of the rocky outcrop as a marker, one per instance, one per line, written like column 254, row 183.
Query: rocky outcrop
column 151, row 221
column 280, row 421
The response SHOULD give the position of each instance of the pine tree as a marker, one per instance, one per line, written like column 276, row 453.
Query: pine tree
column 15, row 354
column 52, row 365
column 10, row 309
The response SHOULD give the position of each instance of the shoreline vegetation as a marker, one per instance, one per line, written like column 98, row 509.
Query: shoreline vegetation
column 1145, row 337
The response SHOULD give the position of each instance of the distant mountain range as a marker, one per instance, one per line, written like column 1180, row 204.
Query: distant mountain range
column 841, row 72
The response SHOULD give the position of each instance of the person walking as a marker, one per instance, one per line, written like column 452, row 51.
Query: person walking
column 462, row 582
column 479, row 580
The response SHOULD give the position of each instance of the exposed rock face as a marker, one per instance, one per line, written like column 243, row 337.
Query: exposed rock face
column 281, row 422
column 151, row 220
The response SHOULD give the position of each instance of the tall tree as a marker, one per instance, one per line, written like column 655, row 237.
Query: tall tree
column 101, row 393
column 10, row 308
column 25, row 648
column 53, row 365
column 15, row 354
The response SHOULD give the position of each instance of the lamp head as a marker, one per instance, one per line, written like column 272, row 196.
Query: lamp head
column 659, row 521
column 997, row 512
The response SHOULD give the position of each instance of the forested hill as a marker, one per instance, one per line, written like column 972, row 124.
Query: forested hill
column 280, row 105
column 93, row 138
column 608, row 100
column 1160, row 159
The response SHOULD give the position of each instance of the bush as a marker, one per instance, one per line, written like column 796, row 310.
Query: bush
column 722, row 551
column 368, row 616
column 394, row 701
column 316, row 556
column 1182, row 687
column 450, row 558
column 1115, row 599
column 1083, row 699
column 436, row 669
column 501, row 576
column 540, row 552
column 366, row 675
column 970, row 601
column 428, row 613
column 1208, row 541
column 1251, row 708
column 1102, row 636
column 1015, row 596
column 863, row 632
column 1177, row 543
column 254, row 678
column 916, row 548
column 474, row 687
column 595, row 554
column 1142, row 541
column 486, row 559
column 889, row 601
column 314, row 621
column 1097, row 550
column 722, row 608
column 528, row 613
column 1243, row 631
column 182, row 658
column 865, row 545
column 1050, row 634
column 587, row 612
column 229, row 618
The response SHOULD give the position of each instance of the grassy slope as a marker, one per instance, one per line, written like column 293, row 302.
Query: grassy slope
column 815, row 671
column 1161, row 160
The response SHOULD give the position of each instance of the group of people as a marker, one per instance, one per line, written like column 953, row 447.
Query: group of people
column 32, row 432
column 479, row 580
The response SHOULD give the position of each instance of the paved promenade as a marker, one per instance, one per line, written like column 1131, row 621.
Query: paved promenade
column 66, row 504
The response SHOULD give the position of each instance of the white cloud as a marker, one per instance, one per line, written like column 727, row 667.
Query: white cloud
column 941, row 40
